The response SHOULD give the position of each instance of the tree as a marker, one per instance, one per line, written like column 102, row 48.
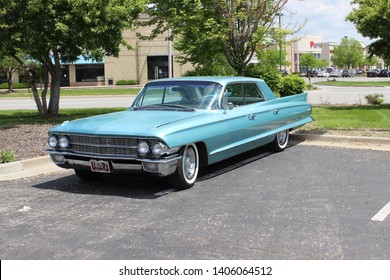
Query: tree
column 57, row 31
column 371, row 18
column 272, row 57
column 371, row 61
column 207, row 27
column 348, row 54
column 217, row 66
column 308, row 60
column 9, row 66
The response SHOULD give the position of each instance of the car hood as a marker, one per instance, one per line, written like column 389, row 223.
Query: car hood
column 127, row 123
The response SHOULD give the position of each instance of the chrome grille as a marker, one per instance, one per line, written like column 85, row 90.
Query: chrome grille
column 101, row 145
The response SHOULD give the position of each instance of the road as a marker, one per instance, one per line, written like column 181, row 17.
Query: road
column 332, row 95
column 323, row 95
column 304, row 203
column 70, row 102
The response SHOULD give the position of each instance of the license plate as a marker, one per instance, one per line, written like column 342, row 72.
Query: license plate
column 100, row 166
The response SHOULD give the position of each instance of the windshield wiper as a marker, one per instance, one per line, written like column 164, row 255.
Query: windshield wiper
column 177, row 106
column 165, row 105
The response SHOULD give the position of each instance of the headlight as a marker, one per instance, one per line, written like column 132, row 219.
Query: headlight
column 52, row 141
column 159, row 149
column 143, row 147
column 63, row 142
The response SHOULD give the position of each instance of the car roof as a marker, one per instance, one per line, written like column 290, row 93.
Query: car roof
column 223, row 80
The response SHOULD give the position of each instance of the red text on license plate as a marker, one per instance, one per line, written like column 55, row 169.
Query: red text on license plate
column 100, row 166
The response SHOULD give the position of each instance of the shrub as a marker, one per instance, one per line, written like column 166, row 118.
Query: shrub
column 126, row 82
column 374, row 99
column 14, row 85
column 7, row 156
column 269, row 74
column 297, row 73
column 292, row 85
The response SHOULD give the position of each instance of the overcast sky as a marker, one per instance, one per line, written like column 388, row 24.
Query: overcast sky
column 324, row 17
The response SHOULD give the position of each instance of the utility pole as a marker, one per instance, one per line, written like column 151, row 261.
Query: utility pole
column 280, row 42
column 170, row 72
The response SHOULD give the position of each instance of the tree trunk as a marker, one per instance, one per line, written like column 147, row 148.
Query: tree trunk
column 42, row 111
column 10, row 86
column 55, row 84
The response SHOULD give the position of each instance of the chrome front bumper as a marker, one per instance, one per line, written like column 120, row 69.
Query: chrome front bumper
column 160, row 167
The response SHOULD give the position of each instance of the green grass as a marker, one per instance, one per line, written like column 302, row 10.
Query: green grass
column 374, row 83
column 78, row 92
column 326, row 117
column 15, row 117
column 352, row 117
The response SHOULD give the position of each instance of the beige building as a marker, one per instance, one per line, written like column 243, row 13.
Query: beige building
column 147, row 60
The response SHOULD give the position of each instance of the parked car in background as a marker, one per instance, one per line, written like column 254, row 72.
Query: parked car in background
column 312, row 73
column 283, row 72
column 373, row 73
column 360, row 72
column 175, row 126
column 335, row 74
column 323, row 74
column 3, row 81
column 384, row 73
column 330, row 69
column 346, row 73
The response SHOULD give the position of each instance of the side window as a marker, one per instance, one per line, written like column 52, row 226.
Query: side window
column 235, row 94
column 252, row 94
column 243, row 94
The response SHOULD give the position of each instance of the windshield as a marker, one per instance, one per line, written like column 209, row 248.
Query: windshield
column 179, row 94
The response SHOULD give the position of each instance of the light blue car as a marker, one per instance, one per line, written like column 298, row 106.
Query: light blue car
column 175, row 126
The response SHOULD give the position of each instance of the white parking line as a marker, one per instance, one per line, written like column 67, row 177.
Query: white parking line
column 382, row 214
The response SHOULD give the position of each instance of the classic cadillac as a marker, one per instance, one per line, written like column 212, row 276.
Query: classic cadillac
column 176, row 126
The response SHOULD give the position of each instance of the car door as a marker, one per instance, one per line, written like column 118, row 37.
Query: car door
column 264, row 114
column 243, row 118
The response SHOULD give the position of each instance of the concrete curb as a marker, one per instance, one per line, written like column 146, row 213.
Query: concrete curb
column 340, row 139
column 27, row 168
column 351, row 142
column 44, row 165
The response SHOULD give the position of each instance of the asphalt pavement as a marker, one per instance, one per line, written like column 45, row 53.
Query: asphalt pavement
column 43, row 165
column 308, row 202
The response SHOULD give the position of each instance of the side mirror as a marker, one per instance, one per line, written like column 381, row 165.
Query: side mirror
column 225, row 101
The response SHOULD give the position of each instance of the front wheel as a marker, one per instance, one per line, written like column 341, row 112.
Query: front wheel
column 280, row 142
column 187, row 168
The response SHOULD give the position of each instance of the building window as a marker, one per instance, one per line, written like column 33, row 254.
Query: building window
column 89, row 72
column 157, row 67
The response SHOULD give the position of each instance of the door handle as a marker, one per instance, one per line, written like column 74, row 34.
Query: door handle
column 251, row 116
column 275, row 111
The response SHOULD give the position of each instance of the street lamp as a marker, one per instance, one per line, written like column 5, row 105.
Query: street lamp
column 280, row 42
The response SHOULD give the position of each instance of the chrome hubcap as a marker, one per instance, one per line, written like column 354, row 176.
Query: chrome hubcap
column 189, row 163
column 282, row 137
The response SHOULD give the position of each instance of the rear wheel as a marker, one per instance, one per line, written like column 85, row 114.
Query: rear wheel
column 88, row 176
column 187, row 168
column 280, row 142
